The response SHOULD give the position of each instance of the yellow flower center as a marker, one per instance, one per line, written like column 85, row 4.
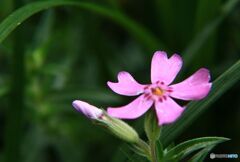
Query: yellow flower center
column 157, row 91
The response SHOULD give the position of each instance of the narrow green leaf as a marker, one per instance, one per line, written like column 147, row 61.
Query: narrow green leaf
column 195, row 109
column 206, row 12
column 169, row 147
column 44, row 28
column 165, row 14
column 97, row 95
column 183, row 149
column 135, row 29
column 195, row 45
column 125, row 154
column 201, row 155
column 37, row 52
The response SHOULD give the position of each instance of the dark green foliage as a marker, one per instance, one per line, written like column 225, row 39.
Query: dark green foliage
column 183, row 149
column 52, row 52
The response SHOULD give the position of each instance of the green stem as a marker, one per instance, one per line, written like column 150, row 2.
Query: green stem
column 153, row 131
column 153, row 150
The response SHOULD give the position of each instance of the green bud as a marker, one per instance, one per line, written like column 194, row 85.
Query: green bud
column 151, row 126
column 120, row 129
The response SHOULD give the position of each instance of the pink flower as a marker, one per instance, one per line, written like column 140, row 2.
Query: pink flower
column 160, row 92
column 88, row 110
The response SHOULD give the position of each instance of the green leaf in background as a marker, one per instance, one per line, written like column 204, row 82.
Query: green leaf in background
column 136, row 30
column 3, row 90
column 183, row 149
column 201, row 155
column 195, row 45
column 100, row 95
column 196, row 108
column 205, row 13
column 70, row 137
column 164, row 8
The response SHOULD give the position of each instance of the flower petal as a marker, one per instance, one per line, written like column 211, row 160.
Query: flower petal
column 167, row 111
column 195, row 87
column 126, row 85
column 164, row 69
column 88, row 110
column 133, row 110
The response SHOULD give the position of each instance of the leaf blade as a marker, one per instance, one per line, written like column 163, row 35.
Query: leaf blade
column 183, row 149
column 137, row 31
column 195, row 45
column 201, row 155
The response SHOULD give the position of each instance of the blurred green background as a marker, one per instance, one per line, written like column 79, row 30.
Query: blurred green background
column 68, row 53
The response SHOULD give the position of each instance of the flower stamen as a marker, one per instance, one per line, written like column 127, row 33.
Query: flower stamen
column 157, row 91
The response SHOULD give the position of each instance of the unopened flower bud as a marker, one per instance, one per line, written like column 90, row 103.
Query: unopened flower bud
column 88, row 110
column 116, row 126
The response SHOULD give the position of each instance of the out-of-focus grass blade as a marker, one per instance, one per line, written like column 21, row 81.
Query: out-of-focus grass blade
column 37, row 52
column 93, row 95
column 3, row 90
column 174, row 21
column 195, row 109
column 136, row 30
column 44, row 28
column 190, row 52
column 165, row 14
column 206, row 12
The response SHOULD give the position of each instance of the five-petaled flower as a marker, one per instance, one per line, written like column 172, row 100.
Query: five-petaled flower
column 160, row 92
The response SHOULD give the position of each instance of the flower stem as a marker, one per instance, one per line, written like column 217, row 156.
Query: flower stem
column 153, row 150
column 153, row 131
